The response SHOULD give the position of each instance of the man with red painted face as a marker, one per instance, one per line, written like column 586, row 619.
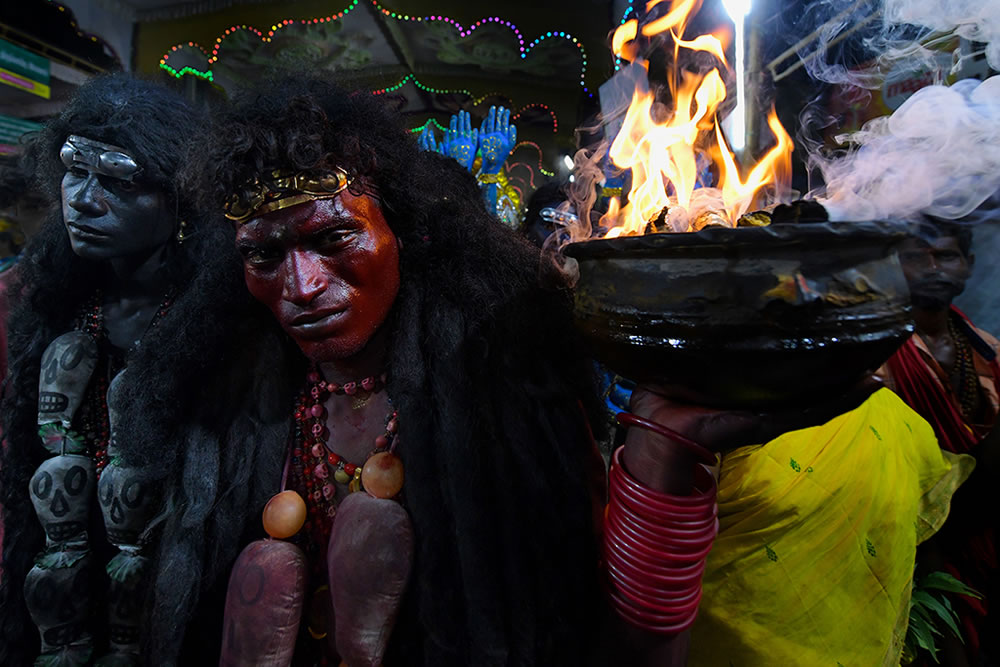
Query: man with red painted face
column 439, row 450
column 139, row 412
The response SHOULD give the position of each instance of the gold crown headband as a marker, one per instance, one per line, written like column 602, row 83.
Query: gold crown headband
column 281, row 189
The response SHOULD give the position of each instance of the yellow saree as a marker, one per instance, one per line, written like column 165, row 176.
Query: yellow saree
column 817, row 541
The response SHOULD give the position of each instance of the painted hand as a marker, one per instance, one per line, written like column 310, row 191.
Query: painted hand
column 496, row 139
column 461, row 140
column 427, row 142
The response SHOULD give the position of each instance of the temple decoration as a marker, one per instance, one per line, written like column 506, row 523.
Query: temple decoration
column 265, row 37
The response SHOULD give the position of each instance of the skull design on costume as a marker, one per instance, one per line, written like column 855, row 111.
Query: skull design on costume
column 126, row 597
column 58, row 591
column 59, row 600
column 128, row 499
column 61, row 490
column 67, row 365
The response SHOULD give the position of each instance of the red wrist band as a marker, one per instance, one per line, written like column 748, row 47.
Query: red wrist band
column 666, row 540
column 652, row 596
column 654, row 581
column 649, row 529
column 655, row 546
column 643, row 621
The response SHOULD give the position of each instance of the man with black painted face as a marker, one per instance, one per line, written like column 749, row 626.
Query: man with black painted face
column 947, row 372
column 113, row 214
column 139, row 412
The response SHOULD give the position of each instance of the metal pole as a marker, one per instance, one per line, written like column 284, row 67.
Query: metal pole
column 753, row 81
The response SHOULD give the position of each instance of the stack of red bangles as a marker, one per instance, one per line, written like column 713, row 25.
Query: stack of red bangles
column 655, row 543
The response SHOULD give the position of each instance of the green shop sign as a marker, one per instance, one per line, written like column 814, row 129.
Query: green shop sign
column 23, row 69
column 11, row 131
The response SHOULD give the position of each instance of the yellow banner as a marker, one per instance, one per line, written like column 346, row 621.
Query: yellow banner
column 24, row 83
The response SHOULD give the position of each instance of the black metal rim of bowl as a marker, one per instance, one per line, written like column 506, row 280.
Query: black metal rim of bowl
column 784, row 233
column 756, row 375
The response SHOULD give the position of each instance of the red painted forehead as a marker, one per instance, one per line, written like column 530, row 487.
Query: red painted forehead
column 303, row 219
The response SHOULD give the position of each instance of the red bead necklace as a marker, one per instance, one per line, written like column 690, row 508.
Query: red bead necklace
column 94, row 416
column 315, row 468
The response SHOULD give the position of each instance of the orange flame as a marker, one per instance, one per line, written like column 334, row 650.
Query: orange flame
column 668, row 150
column 677, row 17
column 625, row 33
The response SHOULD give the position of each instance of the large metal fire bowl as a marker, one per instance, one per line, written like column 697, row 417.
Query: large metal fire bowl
column 764, row 317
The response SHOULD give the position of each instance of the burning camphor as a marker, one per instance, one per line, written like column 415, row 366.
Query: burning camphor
column 668, row 156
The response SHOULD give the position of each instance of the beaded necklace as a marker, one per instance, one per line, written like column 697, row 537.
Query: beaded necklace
column 93, row 416
column 968, row 379
column 314, row 467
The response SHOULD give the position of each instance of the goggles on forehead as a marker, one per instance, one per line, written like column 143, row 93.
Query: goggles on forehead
column 282, row 189
column 558, row 217
column 100, row 157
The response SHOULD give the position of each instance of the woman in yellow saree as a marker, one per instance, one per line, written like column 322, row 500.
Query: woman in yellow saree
column 817, row 540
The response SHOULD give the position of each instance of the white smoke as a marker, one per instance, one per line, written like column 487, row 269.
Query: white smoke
column 581, row 193
column 572, row 219
column 939, row 152
column 975, row 20
column 897, row 34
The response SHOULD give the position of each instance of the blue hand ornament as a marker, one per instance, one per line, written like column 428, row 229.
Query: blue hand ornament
column 427, row 142
column 460, row 140
column 496, row 139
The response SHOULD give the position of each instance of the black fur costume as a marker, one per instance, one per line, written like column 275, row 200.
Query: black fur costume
column 493, row 394
column 207, row 404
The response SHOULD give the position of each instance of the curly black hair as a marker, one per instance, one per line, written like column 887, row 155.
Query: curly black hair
column 495, row 396
column 206, row 396
column 15, row 180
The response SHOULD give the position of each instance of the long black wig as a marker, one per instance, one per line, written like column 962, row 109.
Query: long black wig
column 494, row 395
column 206, row 405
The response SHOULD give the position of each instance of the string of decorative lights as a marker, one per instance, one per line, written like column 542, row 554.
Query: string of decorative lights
column 79, row 32
column 264, row 38
column 555, row 119
column 429, row 121
column 465, row 32
column 531, row 172
column 479, row 100
column 566, row 35
column 628, row 10
column 412, row 77
column 186, row 70
column 540, row 156
column 462, row 32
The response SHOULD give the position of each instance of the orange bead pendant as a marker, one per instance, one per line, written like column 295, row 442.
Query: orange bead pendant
column 382, row 475
column 284, row 515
